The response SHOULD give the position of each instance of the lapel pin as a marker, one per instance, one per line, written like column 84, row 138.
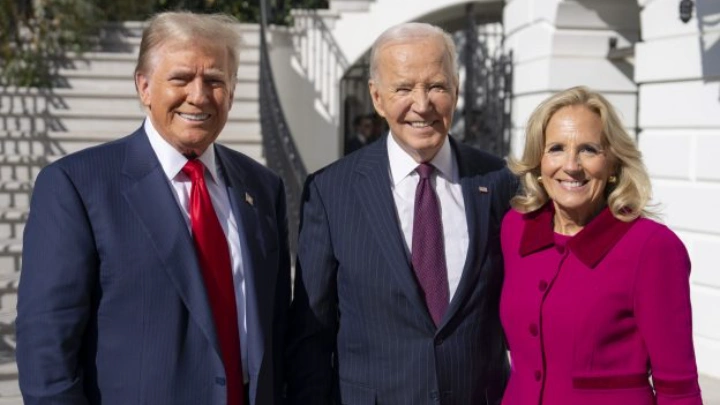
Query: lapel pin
column 249, row 199
column 483, row 189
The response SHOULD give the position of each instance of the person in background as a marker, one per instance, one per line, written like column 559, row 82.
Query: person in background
column 596, row 296
column 363, row 126
column 156, row 267
column 399, row 268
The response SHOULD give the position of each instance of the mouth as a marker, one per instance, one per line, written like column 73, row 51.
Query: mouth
column 421, row 124
column 572, row 185
column 198, row 117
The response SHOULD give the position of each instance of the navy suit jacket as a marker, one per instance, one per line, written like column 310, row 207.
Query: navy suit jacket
column 111, row 304
column 361, row 333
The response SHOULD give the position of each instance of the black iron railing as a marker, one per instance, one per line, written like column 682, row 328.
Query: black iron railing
column 487, row 87
column 281, row 153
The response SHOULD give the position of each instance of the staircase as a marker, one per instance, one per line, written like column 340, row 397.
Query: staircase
column 93, row 102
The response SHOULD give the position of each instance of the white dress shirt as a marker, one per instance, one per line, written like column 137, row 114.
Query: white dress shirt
column 172, row 163
column 446, row 180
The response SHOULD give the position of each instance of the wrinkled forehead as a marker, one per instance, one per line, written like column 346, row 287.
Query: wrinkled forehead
column 173, row 46
column 426, row 49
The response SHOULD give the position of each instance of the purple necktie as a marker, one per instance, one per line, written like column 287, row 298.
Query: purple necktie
column 428, row 248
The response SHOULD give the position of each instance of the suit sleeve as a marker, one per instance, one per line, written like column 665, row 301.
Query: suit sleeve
column 499, row 373
column 662, row 308
column 314, row 319
column 55, row 292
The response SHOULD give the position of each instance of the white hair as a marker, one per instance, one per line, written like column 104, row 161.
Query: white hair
column 407, row 32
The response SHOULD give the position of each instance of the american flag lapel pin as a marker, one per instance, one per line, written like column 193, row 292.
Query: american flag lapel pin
column 249, row 199
column 483, row 189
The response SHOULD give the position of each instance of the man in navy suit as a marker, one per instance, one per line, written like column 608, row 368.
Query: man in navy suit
column 396, row 301
column 119, row 300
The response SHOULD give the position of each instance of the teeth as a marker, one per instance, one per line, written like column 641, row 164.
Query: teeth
column 419, row 124
column 194, row 117
column 572, row 184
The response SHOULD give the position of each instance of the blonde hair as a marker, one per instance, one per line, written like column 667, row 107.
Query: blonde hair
column 408, row 32
column 183, row 26
column 627, row 198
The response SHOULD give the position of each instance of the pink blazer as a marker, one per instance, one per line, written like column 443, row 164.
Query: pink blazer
column 590, row 318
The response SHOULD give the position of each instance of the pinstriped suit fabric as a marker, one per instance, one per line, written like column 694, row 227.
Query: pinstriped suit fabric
column 111, row 304
column 356, row 294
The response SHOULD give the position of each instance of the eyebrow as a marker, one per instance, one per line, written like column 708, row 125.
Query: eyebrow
column 212, row 73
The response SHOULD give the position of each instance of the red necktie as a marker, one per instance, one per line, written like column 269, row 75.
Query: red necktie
column 214, row 256
column 428, row 247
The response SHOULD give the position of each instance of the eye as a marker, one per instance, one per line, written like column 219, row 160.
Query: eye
column 554, row 148
column 438, row 87
column 178, row 80
column 402, row 90
column 589, row 149
column 215, row 82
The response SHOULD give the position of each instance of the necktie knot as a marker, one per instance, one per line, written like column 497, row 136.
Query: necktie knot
column 425, row 170
column 194, row 169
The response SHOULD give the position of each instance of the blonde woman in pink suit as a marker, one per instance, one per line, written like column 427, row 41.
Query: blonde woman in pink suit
column 596, row 298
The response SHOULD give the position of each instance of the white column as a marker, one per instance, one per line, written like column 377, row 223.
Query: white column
column 678, row 73
column 559, row 44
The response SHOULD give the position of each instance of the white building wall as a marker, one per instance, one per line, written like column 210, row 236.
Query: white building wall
column 678, row 75
column 559, row 44
column 669, row 92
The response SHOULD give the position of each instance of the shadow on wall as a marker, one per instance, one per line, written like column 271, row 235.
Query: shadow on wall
column 708, row 19
column 623, row 18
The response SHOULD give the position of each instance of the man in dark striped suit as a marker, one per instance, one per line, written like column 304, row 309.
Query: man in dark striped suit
column 399, row 266
column 156, row 268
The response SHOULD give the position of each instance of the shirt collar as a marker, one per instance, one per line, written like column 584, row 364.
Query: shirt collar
column 173, row 161
column 589, row 245
column 402, row 164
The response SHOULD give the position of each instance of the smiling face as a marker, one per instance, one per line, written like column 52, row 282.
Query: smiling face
column 575, row 166
column 416, row 92
column 188, row 94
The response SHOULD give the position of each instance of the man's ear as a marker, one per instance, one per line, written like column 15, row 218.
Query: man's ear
column 375, row 96
column 142, row 85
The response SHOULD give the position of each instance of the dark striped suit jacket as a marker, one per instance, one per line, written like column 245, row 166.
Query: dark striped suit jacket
column 360, row 331
column 112, row 307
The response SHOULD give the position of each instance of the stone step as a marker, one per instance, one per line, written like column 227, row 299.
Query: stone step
column 14, row 194
column 36, row 145
column 115, row 84
column 114, row 65
column 52, row 145
column 123, row 65
column 119, row 122
column 124, row 39
column 342, row 6
column 9, row 389
column 97, row 102
column 21, row 160
column 10, row 256
column 19, row 173
column 12, row 222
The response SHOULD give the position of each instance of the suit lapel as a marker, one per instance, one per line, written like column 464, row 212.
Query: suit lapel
column 259, row 280
column 375, row 197
column 476, row 195
column 150, row 197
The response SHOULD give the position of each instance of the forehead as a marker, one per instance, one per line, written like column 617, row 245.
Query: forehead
column 575, row 123
column 178, row 54
column 414, row 55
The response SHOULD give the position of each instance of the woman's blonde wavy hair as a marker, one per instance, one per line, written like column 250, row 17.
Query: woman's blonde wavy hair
column 627, row 198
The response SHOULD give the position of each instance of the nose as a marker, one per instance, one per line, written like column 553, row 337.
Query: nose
column 572, row 162
column 198, row 91
column 421, row 101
